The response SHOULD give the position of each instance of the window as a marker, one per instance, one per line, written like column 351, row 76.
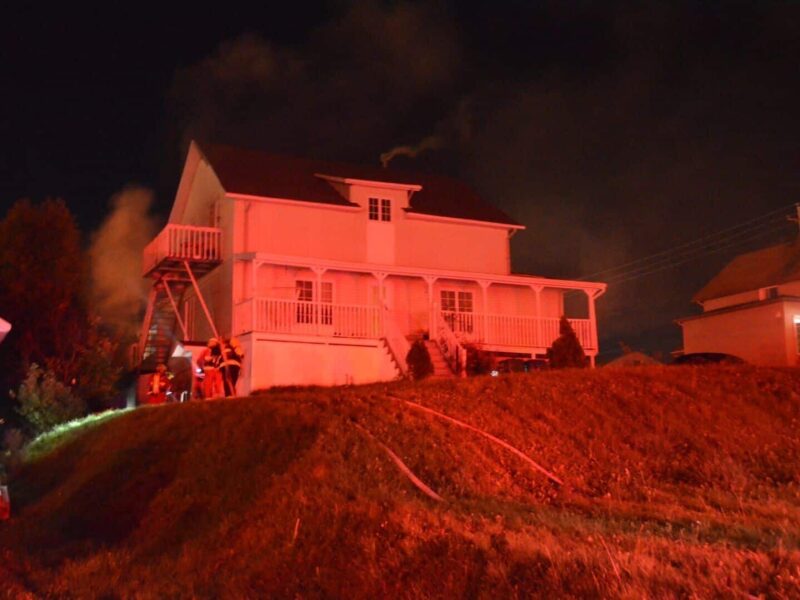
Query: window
column 307, row 311
column 304, row 292
column 386, row 210
column 448, row 301
column 769, row 293
column 457, row 310
column 380, row 209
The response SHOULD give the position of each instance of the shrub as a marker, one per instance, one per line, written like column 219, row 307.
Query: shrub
column 44, row 402
column 419, row 361
column 479, row 361
column 566, row 351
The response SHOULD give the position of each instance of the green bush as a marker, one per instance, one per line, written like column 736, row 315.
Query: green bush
column 419, row 361
column 44, row 402
column 566, row 351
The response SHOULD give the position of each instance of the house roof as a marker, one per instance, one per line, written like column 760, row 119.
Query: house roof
column 755, row 270
column 257, row 173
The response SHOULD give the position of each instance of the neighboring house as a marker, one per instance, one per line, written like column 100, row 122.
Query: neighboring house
column 751, row 309
column 633, row 358
column 326, row 272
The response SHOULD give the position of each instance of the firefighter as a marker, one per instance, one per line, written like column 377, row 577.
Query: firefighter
column 160, row 385
column 232, row 356
column 209, row 361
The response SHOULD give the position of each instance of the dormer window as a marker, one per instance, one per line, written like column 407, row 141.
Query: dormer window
column 380, row 209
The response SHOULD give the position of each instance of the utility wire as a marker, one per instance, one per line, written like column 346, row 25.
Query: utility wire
column 739, row 239
column 636, row 274
column 718, row 236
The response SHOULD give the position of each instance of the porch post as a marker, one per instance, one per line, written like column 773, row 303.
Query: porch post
column 485, row 320
column 317, row 295
column 383, row 309
column 537, row 289
column 254, row 268
column 590, row 295
column 430, row 280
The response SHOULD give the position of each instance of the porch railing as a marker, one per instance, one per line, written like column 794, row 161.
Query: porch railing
column 183, row 242
column 513, row 331
column 273, row 315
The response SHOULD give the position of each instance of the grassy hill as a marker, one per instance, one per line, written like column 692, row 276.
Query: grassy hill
column 677, row 482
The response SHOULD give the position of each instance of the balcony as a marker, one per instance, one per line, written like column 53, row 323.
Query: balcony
column 272, row 315
column 514, row 333
column 495, row 332
column 201, row 246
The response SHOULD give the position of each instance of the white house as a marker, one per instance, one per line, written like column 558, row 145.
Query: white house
column 326, row 272
column 751, row 309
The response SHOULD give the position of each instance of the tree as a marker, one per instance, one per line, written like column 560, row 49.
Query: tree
column 419, row 361
column 43, row 293
column 566, row 351
column 42, row 280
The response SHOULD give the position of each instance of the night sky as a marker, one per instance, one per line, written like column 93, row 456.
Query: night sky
column 614, row 131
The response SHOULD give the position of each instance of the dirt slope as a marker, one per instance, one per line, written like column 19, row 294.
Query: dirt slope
column 678, row 482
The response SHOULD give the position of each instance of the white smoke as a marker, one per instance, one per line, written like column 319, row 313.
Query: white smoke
column 118, row 289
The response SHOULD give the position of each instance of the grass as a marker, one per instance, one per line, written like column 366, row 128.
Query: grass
column 679, row 482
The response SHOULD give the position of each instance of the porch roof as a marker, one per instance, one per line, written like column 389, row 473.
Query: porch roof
column 595, row 288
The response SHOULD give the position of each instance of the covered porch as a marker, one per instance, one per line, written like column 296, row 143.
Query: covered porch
column 510, row 314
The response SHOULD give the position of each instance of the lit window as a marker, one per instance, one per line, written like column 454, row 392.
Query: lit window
column 386, row 210
column 373, row 209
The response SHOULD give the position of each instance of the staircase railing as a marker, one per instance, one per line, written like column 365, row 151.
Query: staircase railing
column 395, row 340
column 454, row 353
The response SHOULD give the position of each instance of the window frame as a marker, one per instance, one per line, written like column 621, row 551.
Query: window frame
column 379, row 210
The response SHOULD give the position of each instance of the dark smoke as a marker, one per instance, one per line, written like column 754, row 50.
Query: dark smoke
column 611, row 132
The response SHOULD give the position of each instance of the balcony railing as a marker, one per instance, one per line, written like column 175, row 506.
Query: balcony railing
column 514, row 331
column 183, row 242
column 271, row 315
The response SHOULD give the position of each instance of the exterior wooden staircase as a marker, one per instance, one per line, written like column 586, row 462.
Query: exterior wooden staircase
column 441, row 369
column 175, row 259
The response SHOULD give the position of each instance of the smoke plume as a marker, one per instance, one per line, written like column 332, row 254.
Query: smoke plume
column 118, row 289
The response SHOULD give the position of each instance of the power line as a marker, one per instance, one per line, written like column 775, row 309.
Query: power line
column 718, row 236
column 642, row 272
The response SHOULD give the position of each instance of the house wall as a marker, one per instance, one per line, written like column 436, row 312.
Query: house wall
column 759, row 334
column 271, row 361
column 205, row 205
column 347, row 234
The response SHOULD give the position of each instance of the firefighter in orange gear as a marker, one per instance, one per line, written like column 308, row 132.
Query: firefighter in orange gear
column 160, row 385
column 232, row 356
column 210, row 360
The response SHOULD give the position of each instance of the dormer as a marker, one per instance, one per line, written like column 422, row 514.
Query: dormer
column 383, row 201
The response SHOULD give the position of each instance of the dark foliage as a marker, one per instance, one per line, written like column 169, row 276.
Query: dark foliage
column 43, row 294
column 479, row 361
column 566, row 352
column 419, row 361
